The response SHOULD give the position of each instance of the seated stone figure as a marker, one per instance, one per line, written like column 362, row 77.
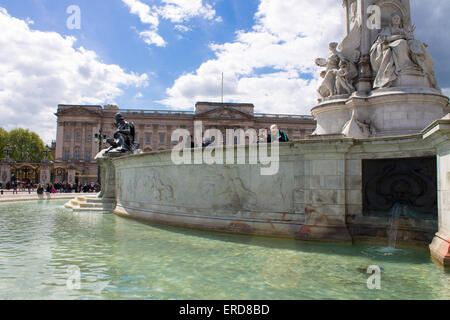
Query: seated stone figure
column 344, row 77
column 397, row 53
column 124, row 136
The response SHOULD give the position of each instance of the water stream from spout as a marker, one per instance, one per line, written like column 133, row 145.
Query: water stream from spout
column 396, row 210
column 393, row 231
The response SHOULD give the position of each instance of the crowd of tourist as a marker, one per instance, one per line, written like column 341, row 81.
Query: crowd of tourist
column 66, row 187
column 57, row 187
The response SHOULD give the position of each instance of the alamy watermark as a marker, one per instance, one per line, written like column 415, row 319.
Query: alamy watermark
column 266, row 154
column 374, row 281
column 74, row 20
column 374, row 19
column 73, row 281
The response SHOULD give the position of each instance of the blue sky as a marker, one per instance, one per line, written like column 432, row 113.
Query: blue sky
column 169, row 54
column 110, row 31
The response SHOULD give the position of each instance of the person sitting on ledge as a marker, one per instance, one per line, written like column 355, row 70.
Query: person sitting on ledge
column 277, row 135
column 40, row 189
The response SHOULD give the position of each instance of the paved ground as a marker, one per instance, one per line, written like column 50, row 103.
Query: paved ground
column 8, row 196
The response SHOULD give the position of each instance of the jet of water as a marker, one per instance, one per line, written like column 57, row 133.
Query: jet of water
column 397, row 209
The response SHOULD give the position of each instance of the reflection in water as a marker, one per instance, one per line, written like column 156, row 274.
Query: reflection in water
column 125, row 259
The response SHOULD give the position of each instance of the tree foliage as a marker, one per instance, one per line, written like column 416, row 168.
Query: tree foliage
column 24, row 145
column 3, row 142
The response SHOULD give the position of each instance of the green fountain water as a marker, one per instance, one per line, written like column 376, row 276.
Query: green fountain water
column 125, row 259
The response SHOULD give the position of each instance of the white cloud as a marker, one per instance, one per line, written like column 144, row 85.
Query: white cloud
column 286, row 39
column 268, row 65
column 182, row 10
column 43, row 69
column 152, row 37
column 148, row 16
column 176, row 11
column 182, row 28
column 446, row 91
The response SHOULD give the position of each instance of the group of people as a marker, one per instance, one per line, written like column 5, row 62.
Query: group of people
column 273, row 134
column 66, row 187
column 267, row 135
column 17, row 186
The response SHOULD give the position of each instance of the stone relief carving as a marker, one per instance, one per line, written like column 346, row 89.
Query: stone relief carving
column 354, row 17
column 344, row 77
column 227, row 190
column 152, row 186
column 396, row 53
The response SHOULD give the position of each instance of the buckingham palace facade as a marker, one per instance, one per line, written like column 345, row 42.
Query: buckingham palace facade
column 77, row 125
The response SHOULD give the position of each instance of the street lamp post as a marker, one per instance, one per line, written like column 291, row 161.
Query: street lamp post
column 98, row 138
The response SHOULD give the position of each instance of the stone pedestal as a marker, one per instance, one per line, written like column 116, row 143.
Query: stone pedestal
column 71, row 176
column 390, row 112
column 108, row 178
column 439, row 134
column 5, row 173
column 45, row 175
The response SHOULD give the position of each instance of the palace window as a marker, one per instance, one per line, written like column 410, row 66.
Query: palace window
column 162, row 137
column 77, row 155
column 89, row 138
column 78, row 136
column 67, row 136
column 148, row 139
column 88, row 156
column 66, row 155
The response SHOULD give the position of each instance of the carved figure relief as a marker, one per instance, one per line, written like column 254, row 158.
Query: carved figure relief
column 155, row 188
column 227, row 190
column 353, row 17
column 410, row 183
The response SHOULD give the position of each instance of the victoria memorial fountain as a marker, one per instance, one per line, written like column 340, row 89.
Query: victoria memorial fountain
column 376, row 168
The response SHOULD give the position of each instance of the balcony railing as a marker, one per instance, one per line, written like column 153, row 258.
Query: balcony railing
column 192, row 113
column 157, row 112
column 283, row 116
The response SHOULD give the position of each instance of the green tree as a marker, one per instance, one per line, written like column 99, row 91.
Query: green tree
column 4, row 138
column 26, row 145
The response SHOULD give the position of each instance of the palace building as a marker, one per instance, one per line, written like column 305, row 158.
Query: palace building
column 77, row 125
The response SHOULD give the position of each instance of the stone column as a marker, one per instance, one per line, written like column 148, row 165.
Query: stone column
column 108, row 179
column 83, row 142
column 59, row 141
column 320, row 193
column 439, row 132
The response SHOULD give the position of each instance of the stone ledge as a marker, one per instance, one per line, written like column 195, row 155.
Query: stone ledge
column 440, row 250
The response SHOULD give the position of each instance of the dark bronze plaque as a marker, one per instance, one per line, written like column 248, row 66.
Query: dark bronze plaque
column 410, row 183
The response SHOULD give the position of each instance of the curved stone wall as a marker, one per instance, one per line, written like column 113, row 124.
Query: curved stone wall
column 228, row 198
